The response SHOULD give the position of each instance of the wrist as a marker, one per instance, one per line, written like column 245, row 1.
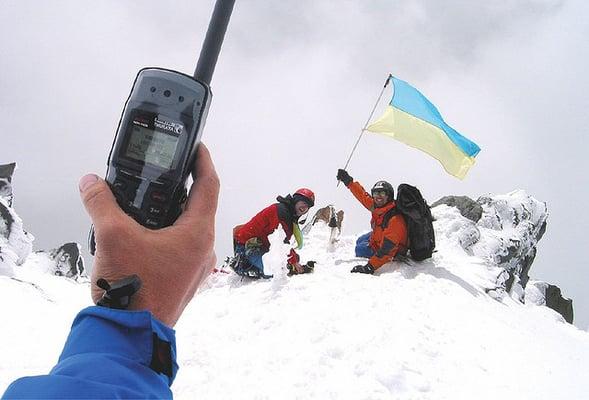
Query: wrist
column 143, row 301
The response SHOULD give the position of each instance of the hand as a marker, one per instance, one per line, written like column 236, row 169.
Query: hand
column 363, row 269
column 342, row 175
column 171, row 262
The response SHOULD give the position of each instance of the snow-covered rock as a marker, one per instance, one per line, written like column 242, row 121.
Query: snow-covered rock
column 16, row 244
column 6, row 171
column 544, row 294
column 504, row 231
column 65, row 260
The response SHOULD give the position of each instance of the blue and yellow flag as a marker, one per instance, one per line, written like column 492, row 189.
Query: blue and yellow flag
column 412, row 119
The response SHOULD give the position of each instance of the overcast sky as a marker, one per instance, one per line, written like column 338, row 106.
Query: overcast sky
column 294, row 84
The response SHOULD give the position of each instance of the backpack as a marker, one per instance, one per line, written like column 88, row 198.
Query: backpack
column 418, row 217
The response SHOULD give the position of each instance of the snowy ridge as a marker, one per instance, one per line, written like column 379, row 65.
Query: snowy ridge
column 428, row 330
column 416, row 330
column 38, row 310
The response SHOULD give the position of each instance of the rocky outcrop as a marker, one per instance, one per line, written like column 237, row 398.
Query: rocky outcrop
column 6, row 171
column 544, row 294
column 65, row 260
column 16, row 244
column 468, row 207
column 504, row 231
column 513, row 225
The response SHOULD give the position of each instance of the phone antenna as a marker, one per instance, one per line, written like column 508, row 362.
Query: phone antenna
column 213, row 41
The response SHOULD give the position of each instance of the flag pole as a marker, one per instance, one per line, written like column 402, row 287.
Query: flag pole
column 386, row 83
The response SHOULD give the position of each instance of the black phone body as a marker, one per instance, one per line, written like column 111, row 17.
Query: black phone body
column 155, row 146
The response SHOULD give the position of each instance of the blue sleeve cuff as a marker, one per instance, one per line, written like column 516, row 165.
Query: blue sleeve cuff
column 121, row 333
column 108, row 354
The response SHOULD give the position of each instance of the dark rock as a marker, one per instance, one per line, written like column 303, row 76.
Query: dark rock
column 6, row 218
column 558, row 303
column 541, row 231
column 509, row 282
column 525, row 265
column 6, row 221
column 6, row 171
column 468, row 207
column 68, row 261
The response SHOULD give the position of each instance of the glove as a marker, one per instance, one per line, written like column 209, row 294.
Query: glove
column 253, row 243
column 363, row 269
column 307, row 268
column 293, row 257
column 253, row 246
column 342, row 175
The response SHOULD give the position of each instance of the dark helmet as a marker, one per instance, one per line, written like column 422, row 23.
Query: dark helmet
column 305, row 195
column 386, row 187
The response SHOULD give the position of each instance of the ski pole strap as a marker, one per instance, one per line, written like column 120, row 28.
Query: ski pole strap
column 118, row 294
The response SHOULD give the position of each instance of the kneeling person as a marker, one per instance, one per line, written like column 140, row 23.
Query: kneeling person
column 389, row 231
column 251, row 239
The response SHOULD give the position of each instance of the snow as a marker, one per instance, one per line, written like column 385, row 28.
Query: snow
column 37, row 312
column 423, row 330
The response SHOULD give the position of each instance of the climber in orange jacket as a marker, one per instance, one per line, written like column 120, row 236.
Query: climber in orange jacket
column 389, row 231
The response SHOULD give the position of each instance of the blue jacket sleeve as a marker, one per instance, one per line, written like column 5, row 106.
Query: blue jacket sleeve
column 108, row 354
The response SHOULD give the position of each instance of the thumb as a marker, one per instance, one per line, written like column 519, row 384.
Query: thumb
column 98, row 200
column 204, row 193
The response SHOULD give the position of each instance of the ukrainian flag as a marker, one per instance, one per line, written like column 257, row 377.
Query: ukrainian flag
column 412, row 119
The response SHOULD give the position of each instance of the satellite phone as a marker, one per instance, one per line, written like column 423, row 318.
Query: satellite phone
column 159, row 131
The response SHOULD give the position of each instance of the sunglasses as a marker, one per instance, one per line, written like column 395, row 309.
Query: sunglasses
column 379, row 193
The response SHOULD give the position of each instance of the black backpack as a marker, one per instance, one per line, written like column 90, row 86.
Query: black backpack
column 418, row 217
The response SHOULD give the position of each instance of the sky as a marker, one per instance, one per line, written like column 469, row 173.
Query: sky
column 293, row 87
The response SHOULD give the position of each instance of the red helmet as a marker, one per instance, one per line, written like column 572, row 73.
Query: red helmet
column 305, row 195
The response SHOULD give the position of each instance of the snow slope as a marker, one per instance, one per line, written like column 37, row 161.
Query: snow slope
column 421, row 330
column 417, row 330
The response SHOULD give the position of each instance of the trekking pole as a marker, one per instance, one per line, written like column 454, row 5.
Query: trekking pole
column 386, row 83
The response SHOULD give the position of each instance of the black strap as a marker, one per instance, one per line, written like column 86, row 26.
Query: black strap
column 387, row 217
column 118, row 294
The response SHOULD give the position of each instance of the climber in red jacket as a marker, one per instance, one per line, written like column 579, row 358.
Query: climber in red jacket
column 251, row 239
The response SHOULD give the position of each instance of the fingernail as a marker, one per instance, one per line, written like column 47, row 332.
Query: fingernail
column 87, row 181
